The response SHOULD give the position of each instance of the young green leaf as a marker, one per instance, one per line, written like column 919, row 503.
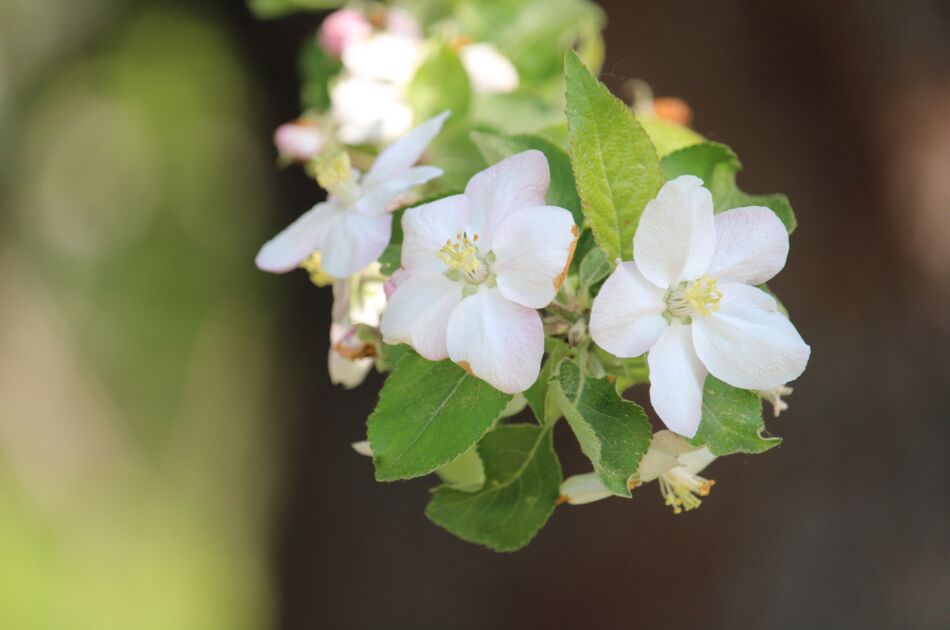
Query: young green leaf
column 732, row 420
column 465, row 473
column 441, row 83
column 562, row 192
column 522, row 483
column 428, row 414
column 717, row 165
column 614, row 433
column 540, row 397
column 595, row 267
column 615, row 163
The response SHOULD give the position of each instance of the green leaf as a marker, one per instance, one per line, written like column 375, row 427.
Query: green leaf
column 428, row 414
column 466, row 473
column 540, row 397
column 668, row 136
column 717, row 165
column 595, row 267
column 732, row 420
column 441, row 83
column 615, row 163
column 562, row 192
column 316, row 68
column 267, row 9
column 614, row 433
column 522, row 483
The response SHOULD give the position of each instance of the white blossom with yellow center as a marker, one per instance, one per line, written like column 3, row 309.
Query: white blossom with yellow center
column 688, row 299
column 476, row 266
column 353, row 226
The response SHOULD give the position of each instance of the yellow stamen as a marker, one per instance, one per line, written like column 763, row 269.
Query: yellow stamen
column 681, row 489
column 334, row 174
column 462, row 254
column 317, row 275
column 699, row 297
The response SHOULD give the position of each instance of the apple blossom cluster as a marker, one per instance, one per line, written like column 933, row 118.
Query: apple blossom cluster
column 513, row 246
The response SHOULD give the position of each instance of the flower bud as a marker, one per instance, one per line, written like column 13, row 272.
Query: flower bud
column 299, row 140
column 342, row 28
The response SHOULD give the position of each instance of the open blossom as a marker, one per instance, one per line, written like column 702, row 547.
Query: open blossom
column 688, row 300
column 671, row 460
column 476, row 268
column 357, row 301
column 352, row 228
column 489, row 71
column 299, row 140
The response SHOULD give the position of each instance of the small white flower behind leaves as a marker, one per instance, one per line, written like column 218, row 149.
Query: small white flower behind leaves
column 687, row 299
column 353, row 226
column 476, row 268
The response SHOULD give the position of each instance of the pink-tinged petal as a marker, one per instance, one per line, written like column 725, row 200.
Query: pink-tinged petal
column 747, row 342
column 426, row 228
column 299, row 140
column 751, row 246
column 676, row 380
column 497, row 340
column 378, row 197
column 518, row 182
column 626, row 317
column 533, row 248
column 418, row 313
column 403, row 153
column 354, row 241
column 297, row 241
column 676, row 235
column 344, row 370
column 341, row 28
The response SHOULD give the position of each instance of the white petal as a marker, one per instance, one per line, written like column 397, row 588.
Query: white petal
column 363, row 448
column 297, row 241
column 497, row 340
column 533, row 248
column 349, row 373
column 664, row 453
column 751, row 246
column 384, row 57
column 626, row 317
column 489, row 71
column 676, row 380
column 379, row 196
column 369, row 111
column 696, row 461
column 676, row 237
column 403, row 153
column 586, row 488
column 426, row 228
column 354, row 241
column 418, row 313
column 747, row 342
column 518, row 182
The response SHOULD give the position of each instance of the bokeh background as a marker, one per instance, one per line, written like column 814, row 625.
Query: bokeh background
column 172, row 455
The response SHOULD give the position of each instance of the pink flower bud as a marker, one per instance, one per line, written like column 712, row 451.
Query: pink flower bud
column 342, row 28
column 299, row 140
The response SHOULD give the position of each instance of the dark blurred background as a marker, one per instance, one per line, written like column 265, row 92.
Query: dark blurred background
column 172, row 454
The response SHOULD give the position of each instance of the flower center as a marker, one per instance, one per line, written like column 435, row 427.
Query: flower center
column 461, row 256
column 335, row 175
column 681, row 489
column 699, row 297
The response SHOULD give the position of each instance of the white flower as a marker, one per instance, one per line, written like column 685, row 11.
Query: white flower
column 670, row 459
column 687, row 299
column 369, row 101
column 299, row 140
column 352, row 228
column 358, row 301
column 489, row 70
column 476, row 266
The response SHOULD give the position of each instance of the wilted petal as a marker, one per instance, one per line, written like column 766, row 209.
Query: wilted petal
column 426, row 228
column 499, row 341
column 354, row 241
column 297, row 241
column 533, row 248
column 418, row 313
column 626, row 318
column 586, row 488
column 676, row 380
column 748, row 344
column 518, row 182
column 751, row 246
column 403, row 153
column 675, row 238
